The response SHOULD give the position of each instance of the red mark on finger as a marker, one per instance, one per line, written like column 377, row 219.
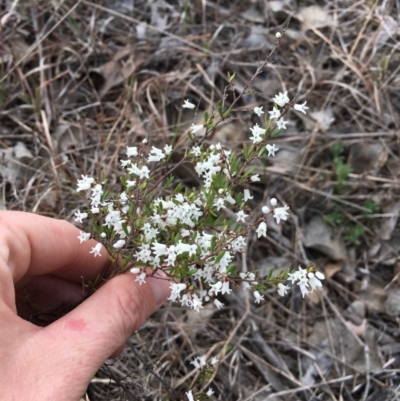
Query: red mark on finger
column 78, row 325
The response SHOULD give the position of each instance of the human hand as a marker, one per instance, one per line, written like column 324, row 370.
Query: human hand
column 43, row 258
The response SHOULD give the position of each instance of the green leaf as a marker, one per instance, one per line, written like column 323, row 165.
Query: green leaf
column 219, row 257
column 227, row 113
column 276, row 132
column 219, row 108
column 205, row 116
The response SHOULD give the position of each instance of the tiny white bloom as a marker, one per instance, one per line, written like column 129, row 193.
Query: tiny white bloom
column 103, row 235
column 195, row 128
column 214, row 360
column 255, row 178
column 132, row 151
column 144, row 140
column 272, row 149
column 258, row 111
column 188, row 105
column 167, row 149
column 218, row 304
column 258, row 297
column 313, row 281
column 135, row 270
column 257, row 131
column 241, row 215
column 262, row 229
column 225, row 288
column 210, row 392
column 301, row 107
column 80, row 216
column 273, row 202
column 265, row 209
column 141, row 278
column 278, row 35
column 275, row 113
column 247, row 195
column 280, row 213
column 83, row 236
column 190, row 395
column 281, row 100
column 281, row 123
column 85, row 183
column 196, row 151
column 119, row 244
column 96, row 250
column 320, row 275
column 282, row 289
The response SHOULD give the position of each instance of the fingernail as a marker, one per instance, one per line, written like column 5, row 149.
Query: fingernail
column 160, row 287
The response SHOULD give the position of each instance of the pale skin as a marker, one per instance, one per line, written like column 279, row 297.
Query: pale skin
column 42, row 262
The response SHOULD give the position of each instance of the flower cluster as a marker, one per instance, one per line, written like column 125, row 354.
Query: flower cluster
column 187, row 232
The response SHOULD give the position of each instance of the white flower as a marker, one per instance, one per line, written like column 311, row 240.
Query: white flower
column 278, row 35
column 195, row 128
column 80, row 216
column 141, row 278
column 265, row 209
column 258, row 297
column 281, row 123
column 196, row 151
column 247, row 195
column 262, row 229
column 272, row 149
column 132, row 151
column 314, row 281
column 241, row 215
column 188, row 105
column 219, row 203
column 167, row 149
column 255, row 178
column 282, row 289
column 275, row 113
column 96, row 250
column 176, row 289
column 214, row 360
column 125, row 163
column 303, row 287
column 281, row 99
column 258, row 111
column 85, row 183
column 159, row 249
column 218, row 304
column 210, row 392
column 190, row 395
column 320, row 275
column 156, row 154
column 257, row 131
column 280, row 213
column 144, row 140
column 225, row 288
column 273, row 202
column 144, row 172
column 135, row 270
column 95, row 210
column 301, row 107
column 119, row 244
column 83, row 237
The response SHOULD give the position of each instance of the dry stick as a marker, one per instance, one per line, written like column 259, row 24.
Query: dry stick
column 35, row 45
column 361, row 343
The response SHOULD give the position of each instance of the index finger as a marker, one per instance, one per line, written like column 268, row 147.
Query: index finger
column 34, row 245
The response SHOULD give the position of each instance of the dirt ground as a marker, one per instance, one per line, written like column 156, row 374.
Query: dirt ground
column 80, row 80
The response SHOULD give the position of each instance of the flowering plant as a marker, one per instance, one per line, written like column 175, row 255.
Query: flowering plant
column 158, row 223
column 156, row 226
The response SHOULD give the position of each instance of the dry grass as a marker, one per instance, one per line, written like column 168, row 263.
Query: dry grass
column 80, row 80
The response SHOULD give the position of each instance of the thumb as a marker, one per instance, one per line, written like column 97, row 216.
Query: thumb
column 83, row 339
